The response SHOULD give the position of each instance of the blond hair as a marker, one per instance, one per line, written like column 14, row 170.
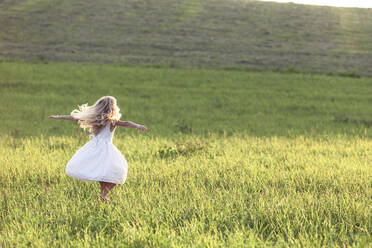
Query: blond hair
column 95, row 117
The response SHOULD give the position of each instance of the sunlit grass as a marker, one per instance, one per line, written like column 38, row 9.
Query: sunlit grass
column 233, row 192
column 231, row 159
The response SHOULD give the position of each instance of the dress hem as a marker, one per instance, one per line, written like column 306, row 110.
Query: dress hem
column 94, row 180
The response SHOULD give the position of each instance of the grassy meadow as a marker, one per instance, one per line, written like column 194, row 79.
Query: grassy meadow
column 231, row 158
column 190, row 101
column 195, row 33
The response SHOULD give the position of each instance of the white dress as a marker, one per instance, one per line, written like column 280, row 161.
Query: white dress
column 99, row 160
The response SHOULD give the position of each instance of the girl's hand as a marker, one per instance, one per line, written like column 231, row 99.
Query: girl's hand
column 53, row 116
column 141, row 127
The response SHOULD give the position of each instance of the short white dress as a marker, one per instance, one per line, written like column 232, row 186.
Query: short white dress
column 99, row 160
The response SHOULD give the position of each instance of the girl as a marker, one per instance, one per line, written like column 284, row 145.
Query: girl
column 99, row 159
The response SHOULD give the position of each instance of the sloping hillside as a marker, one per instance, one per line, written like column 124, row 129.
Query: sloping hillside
column 197, row 33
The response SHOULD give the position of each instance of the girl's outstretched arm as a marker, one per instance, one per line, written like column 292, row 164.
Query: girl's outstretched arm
column 130, row 124
column 63, row 117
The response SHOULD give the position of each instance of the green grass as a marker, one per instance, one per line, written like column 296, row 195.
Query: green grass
column 224, row 192
column 171, row 101
column 198, row 33
column 231, row 159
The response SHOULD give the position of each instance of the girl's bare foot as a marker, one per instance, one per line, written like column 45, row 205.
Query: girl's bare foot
column 104, row 199
column 105, row 188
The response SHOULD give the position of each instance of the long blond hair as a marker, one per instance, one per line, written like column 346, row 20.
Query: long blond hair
column 95, row 117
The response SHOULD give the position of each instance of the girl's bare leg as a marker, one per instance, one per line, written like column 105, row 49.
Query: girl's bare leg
column 102, row 184
column 105, row 188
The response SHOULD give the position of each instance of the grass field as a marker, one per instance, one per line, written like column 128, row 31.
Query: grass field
column 194, row 33
column 231, row 158
column 171, row 101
